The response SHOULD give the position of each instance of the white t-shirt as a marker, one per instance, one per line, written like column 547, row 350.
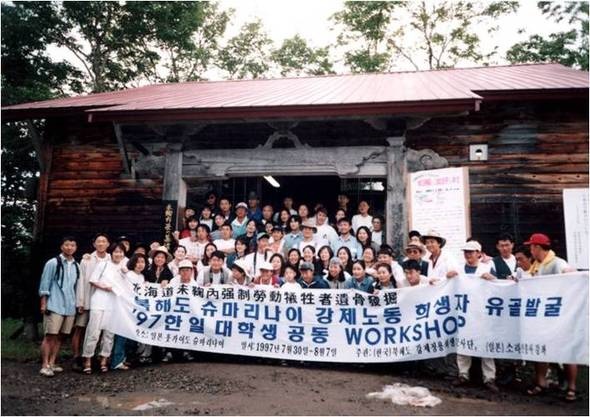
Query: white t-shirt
column 175, row 282
column 255, row 259
column 291, row 286
column 398, row 275
column 326, row 233
column 134, row 278
column 511, row 262
column 107, row 274
column 193, row 248
column 359, row 220
column 225, row 245
column 315, row 242
column 377, row 237
column 444, row 264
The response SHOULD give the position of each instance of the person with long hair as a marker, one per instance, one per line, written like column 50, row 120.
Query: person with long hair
column 323, row 263
column 344, row 255
column 308, row 254
column 294, row 235
column 336, row 276
column 360, row 280
column 278, row 266
column 293, row 260
column 385, row 280
column 209, row 249
column 364, row 239
column 369, row 257
column 242, row 249
column 250, row 235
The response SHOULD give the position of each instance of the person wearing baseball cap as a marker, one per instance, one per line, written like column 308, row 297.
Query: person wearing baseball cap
column 186, row 274
column 239, row 223
column 308, row 279
column 442, row 264
column 546, row 262
column 265, row 277
column 473, row 265
column 240, row 273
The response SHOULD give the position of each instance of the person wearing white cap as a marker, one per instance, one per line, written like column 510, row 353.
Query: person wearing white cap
column 442, row 264
column 471, row 252
column 185, row 274
column 266, row 279
column 262, row 253
column 240, row 272
column 239, row 223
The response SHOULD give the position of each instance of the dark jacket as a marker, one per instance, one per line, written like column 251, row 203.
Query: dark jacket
column 317, row 283
column 501, row 268
column 165, row 275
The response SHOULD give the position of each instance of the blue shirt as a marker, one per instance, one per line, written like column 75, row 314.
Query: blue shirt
column 351, row 243
column 291, row 241
column 255, row 215
column 60, row 300
column 365, row 285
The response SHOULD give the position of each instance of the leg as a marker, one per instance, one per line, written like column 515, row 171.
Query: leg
column 55, row 350
column 106, row 346
column 46, row 349
column 540, row 379
column 488, row 369
column 464, row 364
column 571, row 373
column 118, row 352
column 91, row 337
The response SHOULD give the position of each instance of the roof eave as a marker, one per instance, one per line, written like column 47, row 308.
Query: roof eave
column 531, row 95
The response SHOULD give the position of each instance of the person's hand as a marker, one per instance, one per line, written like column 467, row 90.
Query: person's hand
column 164, row 283
column 80, row 309
column 43, row 307
column 375, row 292
column 487, row 276
column 124, row 269
column 108, row 288
column 452, row 274
column 434, row 281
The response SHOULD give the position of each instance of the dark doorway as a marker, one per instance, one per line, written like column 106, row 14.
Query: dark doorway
column 304, row 190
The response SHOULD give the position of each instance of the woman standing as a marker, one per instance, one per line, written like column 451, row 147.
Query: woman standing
column 365, row 240
column 250, row 235
column 102, row 299
column 284, row 216
column 278, row 267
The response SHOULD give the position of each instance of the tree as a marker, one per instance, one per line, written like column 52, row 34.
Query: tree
column 426, row 35
column 295, row 57
column 568, row 48
column 247, row 54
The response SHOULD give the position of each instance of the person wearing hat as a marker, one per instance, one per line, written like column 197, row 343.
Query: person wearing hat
column 159, row 272
column 238, row 224
column 442, row 264
column 346, row 239
column 254, row 211
column 216, row 273
column 226, row 244
column 308, row 231
column 336, row 275
column 308, row 279
column 265, row 277
column 262, row 253
column 546, row 262
column 416, row 251
column 186, row 274
column 324, row 230
column 473, row 265
column 240, row 271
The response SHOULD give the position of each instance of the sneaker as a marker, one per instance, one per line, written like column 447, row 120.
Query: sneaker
column 167, row 358
column 491, row 385
column 56, row 368
column 46, row 371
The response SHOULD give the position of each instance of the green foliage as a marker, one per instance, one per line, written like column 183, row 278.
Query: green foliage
column 247, row 54
column 431, row 35
column 295, row 57
column 19, row 349
column 568, row 47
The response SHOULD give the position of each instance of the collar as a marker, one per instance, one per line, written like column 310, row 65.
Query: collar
column 63, row 258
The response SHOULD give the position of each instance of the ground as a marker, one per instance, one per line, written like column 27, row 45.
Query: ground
column 232, row 385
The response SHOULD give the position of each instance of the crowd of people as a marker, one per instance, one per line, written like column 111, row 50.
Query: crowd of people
column 257, row 246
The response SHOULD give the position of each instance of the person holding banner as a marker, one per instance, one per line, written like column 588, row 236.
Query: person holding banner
column 185, row 274
column 290, row 279
column 546, row 262
column 216, row 273
column 359, row 280
column 505, row 262
column 240, row 273
column 412, row 271
column 442, row 264
column 266, row 277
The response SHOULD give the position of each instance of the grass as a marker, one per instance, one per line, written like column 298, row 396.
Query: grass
column 19, row 349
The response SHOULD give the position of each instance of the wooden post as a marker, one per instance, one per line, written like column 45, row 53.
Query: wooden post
column 174, row 193
column 396, row 221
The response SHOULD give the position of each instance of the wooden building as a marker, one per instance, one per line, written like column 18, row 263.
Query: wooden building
column 115, row 161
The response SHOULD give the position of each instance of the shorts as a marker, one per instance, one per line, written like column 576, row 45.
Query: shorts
column 82, row 319
column 54, row 323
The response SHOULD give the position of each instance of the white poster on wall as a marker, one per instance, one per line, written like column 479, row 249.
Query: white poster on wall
column 439, row 200
column 575, row 213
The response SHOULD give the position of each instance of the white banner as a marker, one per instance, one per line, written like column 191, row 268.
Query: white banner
column 537, row 319
column 575, row 213
column 439, row 199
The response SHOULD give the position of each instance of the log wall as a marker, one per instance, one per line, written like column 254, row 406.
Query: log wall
column 535, row 150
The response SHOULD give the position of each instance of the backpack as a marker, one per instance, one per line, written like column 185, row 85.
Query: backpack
column 59, row 272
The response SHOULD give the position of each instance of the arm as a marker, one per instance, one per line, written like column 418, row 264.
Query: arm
column 45, row 284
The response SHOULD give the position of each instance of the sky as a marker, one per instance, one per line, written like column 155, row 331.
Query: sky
column 283, row 19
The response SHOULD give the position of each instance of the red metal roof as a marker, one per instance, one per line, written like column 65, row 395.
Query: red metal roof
column 381, row 93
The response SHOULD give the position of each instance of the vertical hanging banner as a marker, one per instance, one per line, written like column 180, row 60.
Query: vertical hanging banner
column 439, row 199
column 538, row 319
column 575, row 213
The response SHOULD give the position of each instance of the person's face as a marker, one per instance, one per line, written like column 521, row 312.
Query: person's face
column 344, row 228
column 219, row 220
column 368, row 255
column 238, row 275
column 294, row 225
column 189, row 212
column 471, row 256
column 383, row 275
column 325, row 255
column 224, row 205
column 101, row 244
column 412, row 276
column 308, row 254
column 303, row 211
column 343, row 200
column 505, row 248
column 414, row 254
column 179, row 254
column 289, row 275
column 276, row 264
column 265, row 274
column 376, row 225
column 334, row 270
column 385, row 258
column 216, row 263
column 263, row 244
column 69, row 247
column 140, row 265
column 209, row 251
column 117, row 255
column 240, row 247
column 211, row 200
column 288, row 203
column 251, row 227
column 293, row 258
column 363, row 207
column 206, row 213
column 268, row 228
column 202, row 233
column 362, row 235
column 186, row 274
column 307, row 232
column 267, row 212
column 357, row 271
column 307, row 275
column 252, row 203
column 537, row 252
column 226, row 232
column 127, row 245
column 321, row 218
column 241, row 212
column 343, row 256
column 340, row 215
column 432, row 245
column 285, row 216
column 522, row 261
column 159, row 259
column 277, row 235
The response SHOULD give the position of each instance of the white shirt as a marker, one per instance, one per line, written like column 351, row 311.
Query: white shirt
column 255, row 259
column 398, row 275
column 204, row 276
column 109, row 274
column 359, row 220
column 444, row 264
column 291, row 286
column 511, row 262
column 377, row 237
column 225, row 245
column 83, row 288
column 316, row 243
column 193, row 248
column 326, row 232
column 175, row 282
column 481, row 269
column 134, row 278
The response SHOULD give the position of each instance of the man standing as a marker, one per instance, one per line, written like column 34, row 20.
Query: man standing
column 240, row 221
column 254, row 212
column 377, row 230
column 505, row 262
column 308, row 280
column 442, row 265
column 309, row 237
column 546, row 262
column 84, row 291
column 343, row 201
column 267, row 214
column 226, row 244
column 324, row 230
column 216, row 273
column 58, row 303
column 195, row 245
column 346, row 239
column 363, row 218
column 294, row 236
column 262, row 254
column 225, row 209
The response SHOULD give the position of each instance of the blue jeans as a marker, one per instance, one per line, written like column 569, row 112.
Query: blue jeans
column 119, row 353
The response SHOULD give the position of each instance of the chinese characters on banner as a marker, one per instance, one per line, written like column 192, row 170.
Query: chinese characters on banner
column 439, row 199
column 537, row 319
column 575, row 213
column 169, row 226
